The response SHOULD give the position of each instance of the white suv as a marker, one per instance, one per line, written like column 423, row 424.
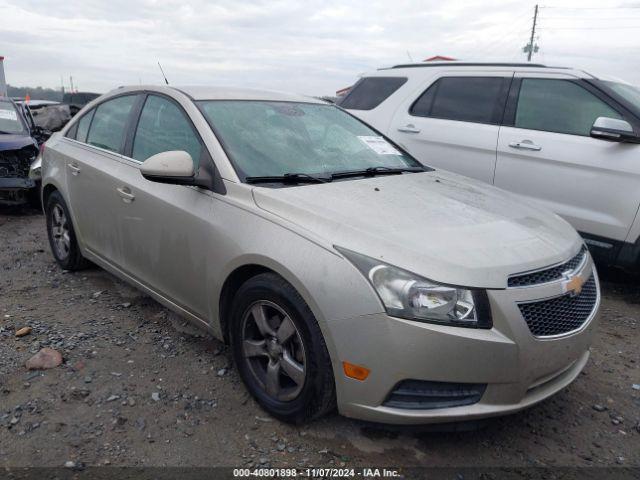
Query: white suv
column 563, row 137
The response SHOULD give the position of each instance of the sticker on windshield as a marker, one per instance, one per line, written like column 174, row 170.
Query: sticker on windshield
column 379, row 145
column 8, row 115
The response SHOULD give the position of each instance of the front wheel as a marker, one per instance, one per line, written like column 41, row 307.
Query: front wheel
column 279, row 350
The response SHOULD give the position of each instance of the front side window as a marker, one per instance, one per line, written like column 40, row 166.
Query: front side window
column 265, row 138
column 370, row 92
column 465, row 99
column 163, row 127
column 559, row 106
column 109, row 123
column 10, row 120
column 629, row 93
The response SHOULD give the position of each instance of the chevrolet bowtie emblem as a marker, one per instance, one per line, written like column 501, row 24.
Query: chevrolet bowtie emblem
column 573, row 285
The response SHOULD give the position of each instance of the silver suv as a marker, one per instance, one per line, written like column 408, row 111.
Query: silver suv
column 340, row 270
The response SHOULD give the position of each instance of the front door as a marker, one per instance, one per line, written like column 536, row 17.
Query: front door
column 546, row 154
column 166, row 229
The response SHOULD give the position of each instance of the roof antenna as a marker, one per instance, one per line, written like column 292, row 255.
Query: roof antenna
column 163, row 75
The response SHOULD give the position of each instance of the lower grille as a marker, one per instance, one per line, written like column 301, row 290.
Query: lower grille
column 424, row 395
column 560, row 315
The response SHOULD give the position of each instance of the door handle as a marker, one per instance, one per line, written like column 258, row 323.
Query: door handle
column 526, row 145
column 125, row 193
column 75, row 170
column 410, row 128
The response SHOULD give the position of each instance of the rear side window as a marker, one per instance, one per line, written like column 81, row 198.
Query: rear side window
column 370, row 92
column 109, row 122
column 164, row 127
column 559, row 106
column 83, row 126
column 466, row 99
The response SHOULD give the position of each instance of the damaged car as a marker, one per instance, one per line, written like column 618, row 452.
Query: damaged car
column 20, row 141
column 341, row 271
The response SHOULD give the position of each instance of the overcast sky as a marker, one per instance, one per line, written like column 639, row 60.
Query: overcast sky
column 312, row 47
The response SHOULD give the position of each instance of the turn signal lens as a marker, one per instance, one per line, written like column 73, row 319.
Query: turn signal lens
column 355, row 371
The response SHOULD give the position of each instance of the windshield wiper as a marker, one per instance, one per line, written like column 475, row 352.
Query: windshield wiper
column 288, row 178
column 373, row 171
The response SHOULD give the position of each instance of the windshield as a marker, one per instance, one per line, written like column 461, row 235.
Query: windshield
column 628, row 92
column 275, row 138
column 9, row 119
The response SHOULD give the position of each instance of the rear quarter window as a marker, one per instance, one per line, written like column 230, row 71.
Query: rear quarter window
column 370, row 92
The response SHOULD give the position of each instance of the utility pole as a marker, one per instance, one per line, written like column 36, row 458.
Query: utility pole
column 531, row 48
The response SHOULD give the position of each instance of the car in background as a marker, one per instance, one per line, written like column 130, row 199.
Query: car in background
column 77, row 100
column 20, row 141
column 47, row 114
column 340, row 269
column 561, row 137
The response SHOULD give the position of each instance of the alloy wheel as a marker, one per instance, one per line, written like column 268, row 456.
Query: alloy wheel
column 60, row 231
column 273, row 349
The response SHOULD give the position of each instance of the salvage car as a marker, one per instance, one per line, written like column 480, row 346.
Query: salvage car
column 553, row 135
column 340, row 270
column 19, row 148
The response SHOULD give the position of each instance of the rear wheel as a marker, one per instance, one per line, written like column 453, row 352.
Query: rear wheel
column 279, row 350
column 62, row 237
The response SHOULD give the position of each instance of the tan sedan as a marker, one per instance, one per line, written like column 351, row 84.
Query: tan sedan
column 340, row 269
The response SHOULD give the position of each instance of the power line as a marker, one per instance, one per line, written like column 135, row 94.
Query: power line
column 588, row 28
column 592, row 8
column 516, row 28
column 590, row 18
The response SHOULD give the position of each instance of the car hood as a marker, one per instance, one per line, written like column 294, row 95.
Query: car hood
column 15, row 142
column 440, row 225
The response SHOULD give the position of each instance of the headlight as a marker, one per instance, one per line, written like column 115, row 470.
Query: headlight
column 410, row 296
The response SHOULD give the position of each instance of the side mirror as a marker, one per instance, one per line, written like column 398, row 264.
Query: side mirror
column 613, row 129
column 169, row 167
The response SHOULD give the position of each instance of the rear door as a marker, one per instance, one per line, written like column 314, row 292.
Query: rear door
column 93, row 162
column 545, row 153
column 452, row 122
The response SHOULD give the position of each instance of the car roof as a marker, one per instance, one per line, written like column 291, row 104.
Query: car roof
column 224, row 93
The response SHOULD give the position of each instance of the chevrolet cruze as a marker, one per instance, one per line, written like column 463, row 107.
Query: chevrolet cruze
column 340, row 270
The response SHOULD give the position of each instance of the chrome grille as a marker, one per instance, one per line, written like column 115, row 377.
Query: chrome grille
column 559, row 315
column 548, row 274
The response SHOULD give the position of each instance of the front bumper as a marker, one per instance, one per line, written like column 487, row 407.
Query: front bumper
column 15, row 183
column 518, row 369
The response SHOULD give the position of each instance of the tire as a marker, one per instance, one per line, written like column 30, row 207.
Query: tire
column 297, row 398
column 62, row 237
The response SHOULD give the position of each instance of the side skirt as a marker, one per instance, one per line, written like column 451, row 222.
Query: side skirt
column 158, row 297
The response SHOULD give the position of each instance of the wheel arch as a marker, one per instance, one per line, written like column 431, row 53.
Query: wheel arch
column 47, row 190
column 248, row 267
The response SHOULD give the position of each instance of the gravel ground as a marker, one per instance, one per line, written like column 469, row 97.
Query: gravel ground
column 140, row 387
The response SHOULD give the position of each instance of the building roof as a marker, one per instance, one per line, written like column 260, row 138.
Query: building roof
column 439, row 58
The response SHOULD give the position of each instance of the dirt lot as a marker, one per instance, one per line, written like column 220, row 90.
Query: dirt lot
column 139, row 387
